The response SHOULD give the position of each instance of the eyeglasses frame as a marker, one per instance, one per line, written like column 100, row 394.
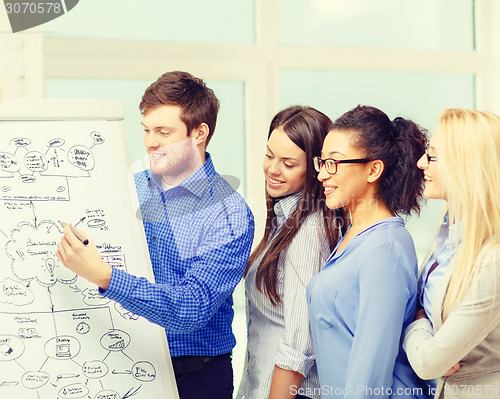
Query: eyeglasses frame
column 336, row 162
column 430, row 158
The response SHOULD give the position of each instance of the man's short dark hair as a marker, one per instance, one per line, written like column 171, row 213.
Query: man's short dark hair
column 198, row 102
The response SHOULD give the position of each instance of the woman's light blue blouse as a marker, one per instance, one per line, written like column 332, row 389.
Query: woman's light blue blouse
column 444, row 250
column 359, row 304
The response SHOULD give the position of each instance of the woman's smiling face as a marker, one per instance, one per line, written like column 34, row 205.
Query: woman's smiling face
column 349, row 185
column 434, row 187
column 285, row 165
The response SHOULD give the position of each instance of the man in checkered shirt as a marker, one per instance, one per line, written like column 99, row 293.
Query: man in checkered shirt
column 199, row 232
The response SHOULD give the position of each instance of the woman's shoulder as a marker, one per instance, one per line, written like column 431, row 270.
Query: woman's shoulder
column 391, row 231
column 311, row 236
column 313, row 227
column 489, row 270
column 313, row 220
column 391, row 246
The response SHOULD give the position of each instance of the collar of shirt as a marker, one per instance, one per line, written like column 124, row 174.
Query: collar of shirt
column 443, row 234
column 444, row 250
column 455, row 235
column 284, row 208
column 390, row 220
column 198, row 183
column 445, row 243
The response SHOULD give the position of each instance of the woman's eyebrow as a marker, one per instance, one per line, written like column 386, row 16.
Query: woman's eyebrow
column 332, row 153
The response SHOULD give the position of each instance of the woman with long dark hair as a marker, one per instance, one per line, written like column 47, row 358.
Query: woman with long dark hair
column 366, row 293
column 299, row 235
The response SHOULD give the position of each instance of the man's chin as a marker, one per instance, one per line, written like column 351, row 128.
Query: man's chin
column 158, row 171
column 159, row 166
column 167, row 172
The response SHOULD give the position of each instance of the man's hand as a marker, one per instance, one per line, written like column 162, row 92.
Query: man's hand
column 84, row 260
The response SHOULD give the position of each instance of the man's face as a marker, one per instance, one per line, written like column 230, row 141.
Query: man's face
column 172, row 152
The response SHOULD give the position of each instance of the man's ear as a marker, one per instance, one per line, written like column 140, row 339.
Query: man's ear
column 200, row 134
column 376, row 170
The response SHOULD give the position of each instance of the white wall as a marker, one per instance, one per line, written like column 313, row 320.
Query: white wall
column 21, row 73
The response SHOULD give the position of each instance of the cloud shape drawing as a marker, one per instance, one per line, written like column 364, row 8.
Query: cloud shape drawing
column 32, row 250
column 92, row 297
column 15, row 293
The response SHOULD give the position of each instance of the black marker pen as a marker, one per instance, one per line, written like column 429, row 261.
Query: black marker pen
column 76, row 233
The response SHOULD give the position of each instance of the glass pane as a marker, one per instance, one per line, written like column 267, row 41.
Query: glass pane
column 416, row 96
column 216, row 21
column 423, row 24
column 229, row 133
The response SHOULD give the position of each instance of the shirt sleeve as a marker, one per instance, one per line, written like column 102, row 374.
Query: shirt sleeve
column 303, row 259
column 214, row 273
column 386, row 285
column 468, row 324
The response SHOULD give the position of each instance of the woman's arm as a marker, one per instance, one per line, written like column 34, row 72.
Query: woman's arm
column 420, row 314
column 432, row 355
column 285, row 383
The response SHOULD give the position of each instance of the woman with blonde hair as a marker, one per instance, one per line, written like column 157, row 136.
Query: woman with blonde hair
column 460, row 345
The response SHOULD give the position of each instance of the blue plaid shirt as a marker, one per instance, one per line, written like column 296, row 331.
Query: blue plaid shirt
column 199, row 235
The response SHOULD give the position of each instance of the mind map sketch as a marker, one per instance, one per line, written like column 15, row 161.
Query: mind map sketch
column 59, row 337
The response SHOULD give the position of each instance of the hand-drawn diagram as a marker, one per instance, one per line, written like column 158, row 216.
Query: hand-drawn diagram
column 59, row 371
column 43, row 176
column 60, row 338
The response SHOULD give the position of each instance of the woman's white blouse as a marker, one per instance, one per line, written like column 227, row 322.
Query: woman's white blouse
column 280, row 335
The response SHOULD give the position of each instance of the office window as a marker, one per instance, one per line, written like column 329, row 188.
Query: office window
column 192, row 21
column 423, row 24
column 417, row 95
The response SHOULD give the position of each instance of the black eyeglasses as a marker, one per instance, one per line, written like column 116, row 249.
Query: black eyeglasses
column 430, row 158
column 331, row 164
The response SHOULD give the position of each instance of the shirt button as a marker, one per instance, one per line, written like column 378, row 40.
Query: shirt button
column 153, row 239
